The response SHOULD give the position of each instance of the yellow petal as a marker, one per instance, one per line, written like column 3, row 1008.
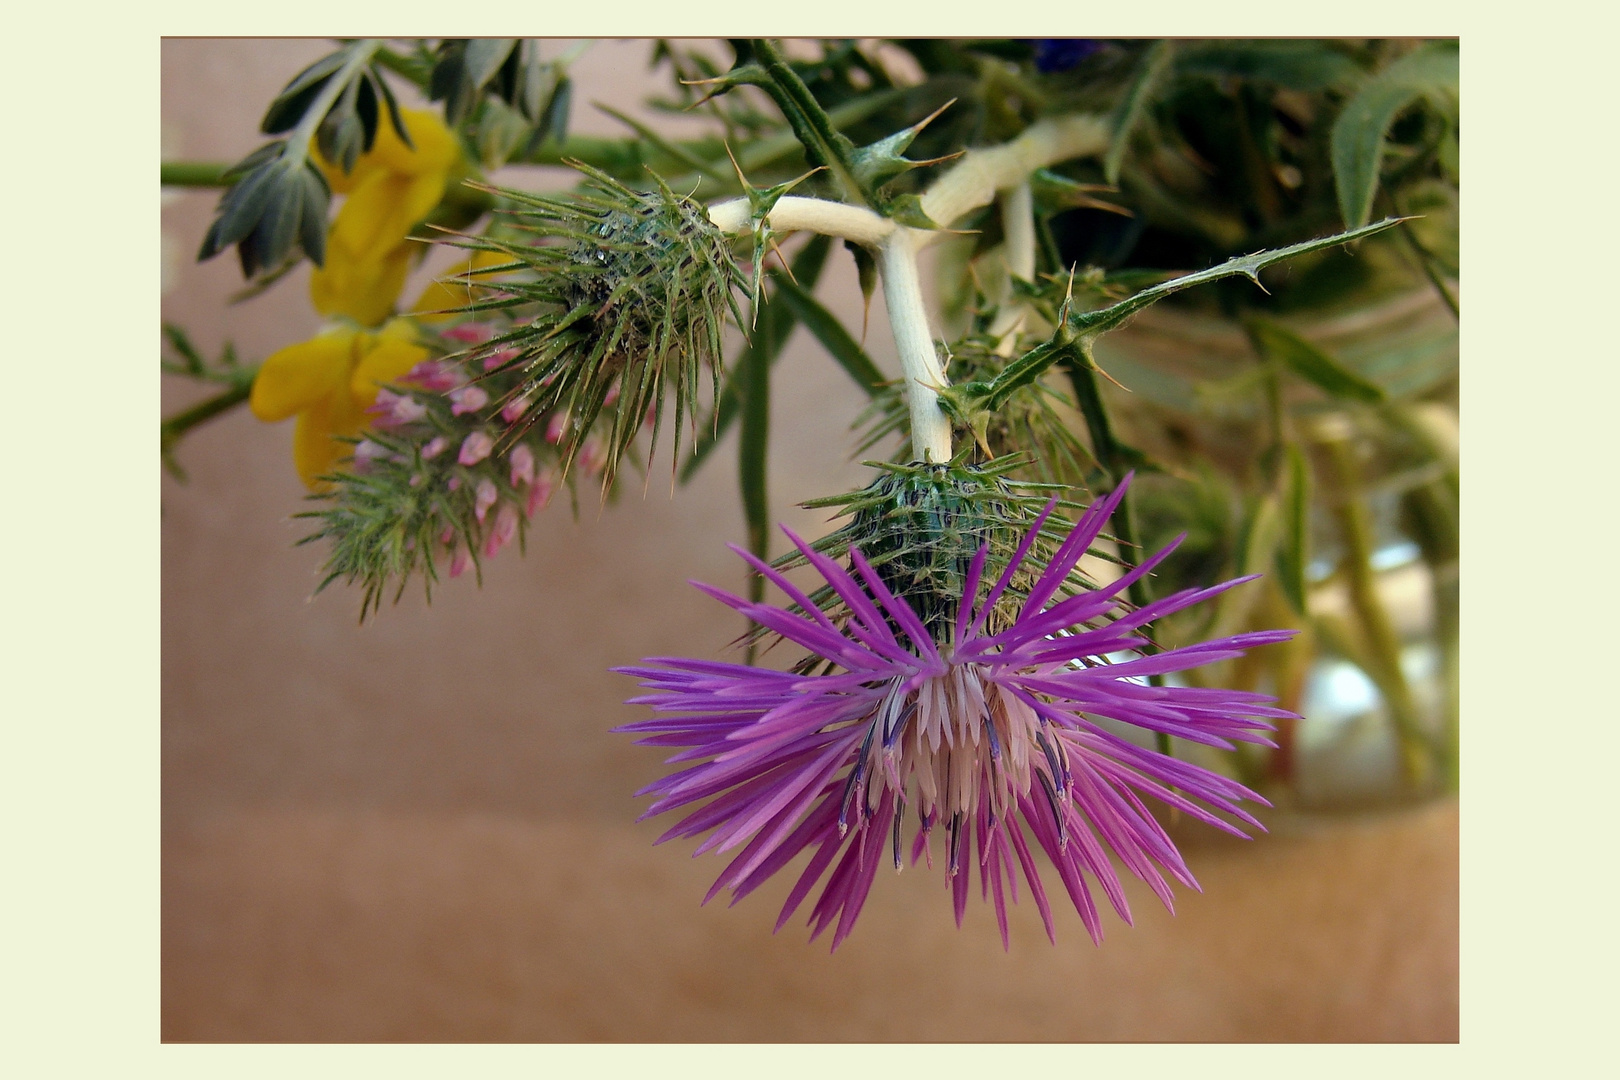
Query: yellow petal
column 435, row 148
column 363, row 290
column 375, row 218
column 296, row 377
column 391, row 355
column 315, row 449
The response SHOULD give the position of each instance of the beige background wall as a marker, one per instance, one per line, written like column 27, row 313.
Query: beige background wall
column 422, row 829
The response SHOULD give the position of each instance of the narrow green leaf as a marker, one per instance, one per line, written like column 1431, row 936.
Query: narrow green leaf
column 1293, row 553
column 1150, row 77
column 1311, row 363
column 396, row 121
column 1358, row 133
column 832, row 335
column 1298, row 65
column 1094, row 323
column 557, row 114
column 754, row 386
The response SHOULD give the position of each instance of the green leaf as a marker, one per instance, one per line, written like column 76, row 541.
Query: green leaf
column 1358, row 133
column 464, row 67
column 290, row 105
column 1150, row 77
column 832, row 335
column 1293, row 553
column 1095, row 323
column 1311, row 363
column 501, row 130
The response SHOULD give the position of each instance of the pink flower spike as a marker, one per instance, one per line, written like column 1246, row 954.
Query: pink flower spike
column 471, row 333
column 448, row 537
column 484, row 498
column 436, row 446
column 522, row 460
column 475, row 448
column 506, row 523
column 540, row 493
column 460, row 559
column 613, row 393
column 513, row 410
column 394, row 410
column 365, row 453
column 453, row 483
column 435, row 375
column 592, row 456
column 496, row 359
column 556, row 427
column 468, row 399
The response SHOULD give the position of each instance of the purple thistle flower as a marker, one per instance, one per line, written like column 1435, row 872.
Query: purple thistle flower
column 991, row 737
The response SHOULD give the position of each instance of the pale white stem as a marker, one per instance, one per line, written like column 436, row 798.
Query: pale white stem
column 1018, row 252
column 974, row 181
column 908, row 319
column 793, row 213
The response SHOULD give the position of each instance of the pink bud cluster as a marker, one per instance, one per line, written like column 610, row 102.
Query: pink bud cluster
column 536, row 483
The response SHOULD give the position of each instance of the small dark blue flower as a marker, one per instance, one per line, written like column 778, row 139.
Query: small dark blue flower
column 1061, row 54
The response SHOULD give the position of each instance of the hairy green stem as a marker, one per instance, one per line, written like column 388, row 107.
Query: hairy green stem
column 176, row 427
column 198, row 174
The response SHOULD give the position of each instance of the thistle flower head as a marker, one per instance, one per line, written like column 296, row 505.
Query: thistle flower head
column 630, row 291
column 994, row 737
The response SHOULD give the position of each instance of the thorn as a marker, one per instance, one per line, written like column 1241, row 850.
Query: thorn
column 741, row 179
column 930, row 118
column 777, row 249
column 1099, row 370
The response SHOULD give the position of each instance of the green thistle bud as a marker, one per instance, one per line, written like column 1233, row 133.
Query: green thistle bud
column 630, row 292
column 920, row 525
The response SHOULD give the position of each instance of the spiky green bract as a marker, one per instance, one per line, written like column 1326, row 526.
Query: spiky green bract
column 417, row 490
column 1031, row 421
column 629, row 288
column 920, row 526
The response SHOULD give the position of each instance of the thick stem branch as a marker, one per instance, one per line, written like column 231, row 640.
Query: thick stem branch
column 908, row 318
column 1018, row 252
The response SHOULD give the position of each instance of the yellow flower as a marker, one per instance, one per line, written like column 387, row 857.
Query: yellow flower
column 392, row 188
column 329, row 382
column 449, row 292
